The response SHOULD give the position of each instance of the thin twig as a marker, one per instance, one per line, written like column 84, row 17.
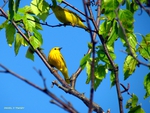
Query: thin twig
column 41, row 75
column 5, row 2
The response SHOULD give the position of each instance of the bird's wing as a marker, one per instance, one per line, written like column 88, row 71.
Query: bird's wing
column 74, row 14
column 63, row 60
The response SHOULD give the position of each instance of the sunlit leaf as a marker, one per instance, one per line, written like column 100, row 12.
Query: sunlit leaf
column 105, row 28
column 147, row 85
column 132, row 105
column 114, row 34
column 29, row 23
column 84, row 60
column 129, row 66
column 23, row 42
column 38, row 35
column 40, row 8
column 88, row 72
column 34, row 42
column 126, row 18
column 133, row 43
column 144, row 47
column 110, row 6
column 59, row 1
column 10, row 32
column 112, row 79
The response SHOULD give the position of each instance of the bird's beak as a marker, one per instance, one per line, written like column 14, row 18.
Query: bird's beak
column 60, row 48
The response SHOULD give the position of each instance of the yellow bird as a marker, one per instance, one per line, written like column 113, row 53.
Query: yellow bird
column 68, row 17
column 56, row 59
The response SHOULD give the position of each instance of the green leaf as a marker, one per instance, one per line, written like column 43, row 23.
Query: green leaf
column 84, row 60
column 23, row 42
column 109, row 6
column 25, row 9
column 102, row 56
column 4, row 24
column 38, row 26
column 29, row 23
column 38, row 35
column 88, row 72
column 105, row 28
column 144, row 47
column 40, row 8
column 114, row 34
column 121, row 35
column 112, row 79
column 132, row 105
column 10, row 32
column 34, row 42
column 30, row 54
column 132, row 102
column 133, row 43
column 129, row 66
column 100, row 74
column 126, row 18
column 136, row 109
column 59, row 1
column 147, row 85
column 17, row 2
column 131, row 5
column 11, row 8
column 17, row 43
column 90, row 46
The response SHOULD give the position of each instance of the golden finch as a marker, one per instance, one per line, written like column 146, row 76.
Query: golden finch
column 56, row 59
column 67, row 16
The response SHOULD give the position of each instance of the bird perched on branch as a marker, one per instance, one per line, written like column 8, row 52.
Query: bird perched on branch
column 67, row 16
column 56, row 59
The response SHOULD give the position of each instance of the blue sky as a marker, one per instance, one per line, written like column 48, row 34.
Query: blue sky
column 15, row 92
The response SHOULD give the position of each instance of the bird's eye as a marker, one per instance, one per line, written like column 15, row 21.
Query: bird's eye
column 54, row 48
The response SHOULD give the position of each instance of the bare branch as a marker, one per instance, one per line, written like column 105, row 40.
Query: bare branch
column 96, row 107
column 45, row 90
column 126, row 89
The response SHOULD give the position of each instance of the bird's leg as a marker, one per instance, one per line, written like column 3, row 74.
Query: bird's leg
column 54, row 70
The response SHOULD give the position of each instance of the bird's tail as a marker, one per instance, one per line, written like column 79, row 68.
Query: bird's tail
column 66, row 76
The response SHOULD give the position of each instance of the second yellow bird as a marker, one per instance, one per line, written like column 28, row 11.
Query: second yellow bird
column 67, row 16
column 56, row 59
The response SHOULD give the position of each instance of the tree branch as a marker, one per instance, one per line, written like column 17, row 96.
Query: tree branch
column 115, row 68
column 44, row 90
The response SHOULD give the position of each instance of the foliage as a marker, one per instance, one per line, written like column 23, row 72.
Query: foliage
column 116, row 23
column 133, row 106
